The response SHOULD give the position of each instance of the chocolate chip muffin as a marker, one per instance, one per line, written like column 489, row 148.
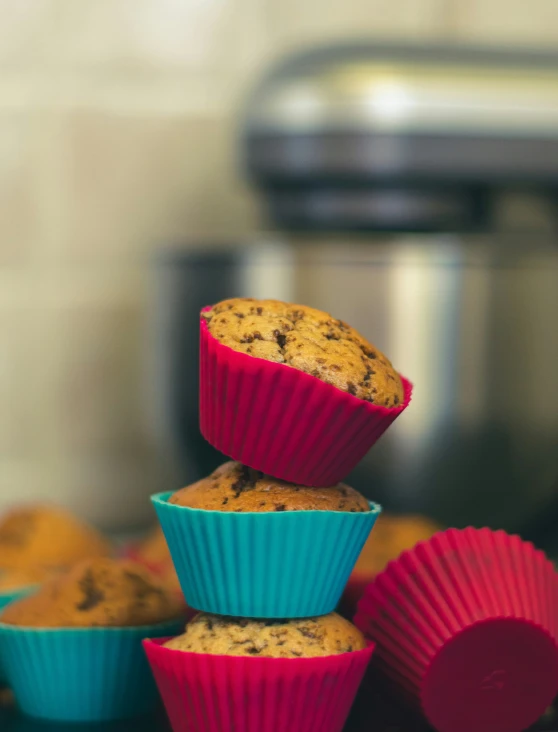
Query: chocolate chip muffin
column 97, row 593
column 327, row 635
column 46, row 539
column 235, row 487
column 308, row 340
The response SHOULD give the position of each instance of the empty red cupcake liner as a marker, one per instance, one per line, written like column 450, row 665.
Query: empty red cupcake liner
column 282, row 421
column 208, row 693
column 466, row 626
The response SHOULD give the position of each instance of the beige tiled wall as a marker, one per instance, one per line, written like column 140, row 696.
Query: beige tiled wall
column 116, row 135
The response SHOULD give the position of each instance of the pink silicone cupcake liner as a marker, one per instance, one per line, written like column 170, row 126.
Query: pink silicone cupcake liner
column 466, row 626
column 282, row 421
column 207, row 693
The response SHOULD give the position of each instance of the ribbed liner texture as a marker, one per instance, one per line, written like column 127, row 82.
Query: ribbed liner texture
column 290, row 564
column 466, row 625
column 282, row 421
column 81, row 674
column 205, row 693
column 5, row 599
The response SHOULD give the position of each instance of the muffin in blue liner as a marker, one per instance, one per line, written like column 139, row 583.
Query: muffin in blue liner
column 5, row 598
column 276, row 564
column 81, row 674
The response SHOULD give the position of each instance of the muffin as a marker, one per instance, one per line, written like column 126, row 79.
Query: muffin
column 231, row 674
column 153, row 549
column 12, row 580
column 96, row 593
column 153, row 553
column 235, row 487
column 292, row 391
column 310, row 341
column 239, row 529
column 72, row 651
column 307, row 638
column 392, row 535
column 46, row 539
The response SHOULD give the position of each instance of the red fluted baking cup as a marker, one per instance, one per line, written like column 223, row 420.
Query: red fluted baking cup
column 466, row 626
column 282, row 421
column 208, row 693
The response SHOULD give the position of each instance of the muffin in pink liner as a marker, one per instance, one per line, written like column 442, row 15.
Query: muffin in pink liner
column 466, row 627
column 307, row 416
column 221, row 692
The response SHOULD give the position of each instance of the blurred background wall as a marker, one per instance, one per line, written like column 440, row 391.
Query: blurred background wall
column 117, row 136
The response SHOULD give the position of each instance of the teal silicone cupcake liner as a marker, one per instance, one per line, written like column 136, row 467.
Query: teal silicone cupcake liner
column 5, row 599
column 81, row 674
column 291, row 564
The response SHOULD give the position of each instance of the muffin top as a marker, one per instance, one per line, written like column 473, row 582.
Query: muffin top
column 235, row 487
column 154, row 549
column 308, row 340
column 220, row 635
column 15, row 579
column 154, row 552
column 46, row 539
column 97, row 593
column 392, row 535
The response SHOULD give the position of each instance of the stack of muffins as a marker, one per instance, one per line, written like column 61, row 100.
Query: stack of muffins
column 264, row 546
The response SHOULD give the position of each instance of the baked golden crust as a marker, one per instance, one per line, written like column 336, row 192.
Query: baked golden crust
column 392, row 535
column 308, row 340
column 46, row 539
column 307, row 638
column 97, row 593
column 235, row 487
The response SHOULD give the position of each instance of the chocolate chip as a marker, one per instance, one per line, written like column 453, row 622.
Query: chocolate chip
column 259, row 311
column 280, row 338
column 351, row 388
column 246, row 480
column 368, row 352
column 225, row 501
column 92, row 595
column 280, row 507
column 209, row 623
column 307, row 633
column 240, row 315
column 395, row 400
